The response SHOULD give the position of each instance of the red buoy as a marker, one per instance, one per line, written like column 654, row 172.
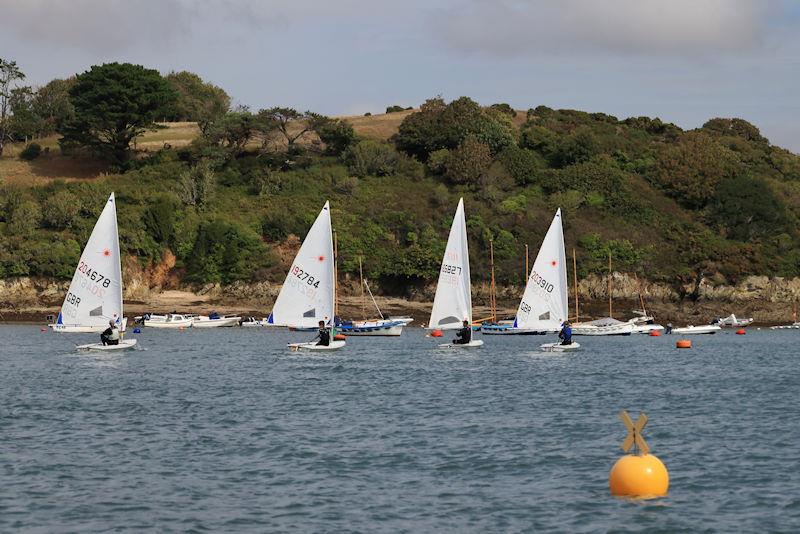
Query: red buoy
column 654, row 333
column 740, row 332
column 339, row 337
column 436, row 333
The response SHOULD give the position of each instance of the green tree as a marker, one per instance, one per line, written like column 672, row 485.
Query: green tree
column 9, row 75
column 114, row 103
column 52, row 105
column 438, row 125
column 159, row 220
column 690, row 170
column 337, row 134
column 469, row 162
column 292, row 124
column 225, row 252
column 232, row 131
column 197, row 101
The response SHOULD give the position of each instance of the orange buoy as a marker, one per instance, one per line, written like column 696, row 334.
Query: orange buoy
column 683, row 344
column 640, row 476
column 339, row 337
column 436, row 333
column 655, row 333
column 740, row 332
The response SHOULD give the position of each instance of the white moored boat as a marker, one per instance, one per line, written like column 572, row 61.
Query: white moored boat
column 214, row 321
column 691, row 329
column 606, row 326
column 94, row 297
column 249, row 322
column 375, row 327
column 167, row 321
column 452, row 304
column 732, row 321
column 308, row 293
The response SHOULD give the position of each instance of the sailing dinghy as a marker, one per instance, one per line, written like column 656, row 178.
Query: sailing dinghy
column 544, row 304
column 95, row 295
column 453, row 301
column 308, row 294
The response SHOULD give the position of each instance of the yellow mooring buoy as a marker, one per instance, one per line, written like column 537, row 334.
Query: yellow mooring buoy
column 640, row 475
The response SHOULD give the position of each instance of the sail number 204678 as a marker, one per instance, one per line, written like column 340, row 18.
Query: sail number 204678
column 94, row 275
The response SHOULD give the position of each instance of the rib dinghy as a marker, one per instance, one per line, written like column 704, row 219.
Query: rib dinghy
column 308, row 293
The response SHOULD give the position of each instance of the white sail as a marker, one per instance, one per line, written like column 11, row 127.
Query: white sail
column 95, row 294
column 453, row 301
column 544, row 303
column 307, row 294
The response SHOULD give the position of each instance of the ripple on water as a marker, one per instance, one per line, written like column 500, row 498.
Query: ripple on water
column 228, row 431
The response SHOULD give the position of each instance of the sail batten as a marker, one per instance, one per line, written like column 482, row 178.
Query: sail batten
column 453, row 301
column 308, row 292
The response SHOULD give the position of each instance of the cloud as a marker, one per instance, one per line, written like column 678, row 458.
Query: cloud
column 637, row 27
column 110, row 25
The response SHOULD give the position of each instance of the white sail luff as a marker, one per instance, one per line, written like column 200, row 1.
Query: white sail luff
column 94, row 296
column 545, row 301
column 453, row 301
column 307, row 295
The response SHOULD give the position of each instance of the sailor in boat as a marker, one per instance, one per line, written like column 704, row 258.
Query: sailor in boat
column 464, row 335
column 110, row 335
column 323, row 334
column 566, row 334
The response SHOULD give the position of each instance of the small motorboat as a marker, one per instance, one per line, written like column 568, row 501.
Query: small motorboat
column 249, row 322
column 170, row 320
column 691, row 329
column 732, row 321
column 214, row 320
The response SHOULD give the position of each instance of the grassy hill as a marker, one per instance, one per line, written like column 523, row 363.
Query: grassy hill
column 672, row 206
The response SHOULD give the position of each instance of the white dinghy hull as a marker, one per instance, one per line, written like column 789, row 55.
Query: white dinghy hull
column 558, row 347
column 124, row 344
column 471, row 345
column 312, row 346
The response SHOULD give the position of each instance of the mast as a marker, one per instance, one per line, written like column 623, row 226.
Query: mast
column 575, row 283
column 492, row 296
column 335, row 275
column 527, row 272
column 610, row 314
column 363, row 297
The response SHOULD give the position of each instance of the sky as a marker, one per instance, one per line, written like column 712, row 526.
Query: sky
column 685, row 61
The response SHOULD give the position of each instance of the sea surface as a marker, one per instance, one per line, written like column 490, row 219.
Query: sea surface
column 226, row 431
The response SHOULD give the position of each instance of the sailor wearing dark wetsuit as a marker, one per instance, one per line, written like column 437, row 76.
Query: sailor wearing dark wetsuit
column 110, row 335
column 464, row 335
column 324, row 335
column 566, row 334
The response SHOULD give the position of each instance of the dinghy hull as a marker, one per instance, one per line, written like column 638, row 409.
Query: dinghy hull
column 312, row 346
column 99, row 347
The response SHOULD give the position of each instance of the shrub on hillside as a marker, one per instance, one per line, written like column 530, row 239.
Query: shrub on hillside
column 523, row 165
column 196, row 185
column 60, row 210
column 31, row 152
column 225, row 252
column 25, row 217
column 469, row 162
column 371, row 157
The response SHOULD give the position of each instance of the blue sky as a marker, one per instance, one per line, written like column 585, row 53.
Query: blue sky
column 682, row 60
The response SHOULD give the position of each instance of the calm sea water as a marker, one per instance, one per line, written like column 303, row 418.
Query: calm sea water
column 224, row 430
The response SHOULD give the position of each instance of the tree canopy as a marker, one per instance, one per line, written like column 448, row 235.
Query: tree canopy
column 113, row 104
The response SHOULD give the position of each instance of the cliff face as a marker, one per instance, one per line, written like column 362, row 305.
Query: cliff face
column 769, row 300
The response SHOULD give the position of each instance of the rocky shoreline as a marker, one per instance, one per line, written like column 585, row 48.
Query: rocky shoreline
column 769, row 301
